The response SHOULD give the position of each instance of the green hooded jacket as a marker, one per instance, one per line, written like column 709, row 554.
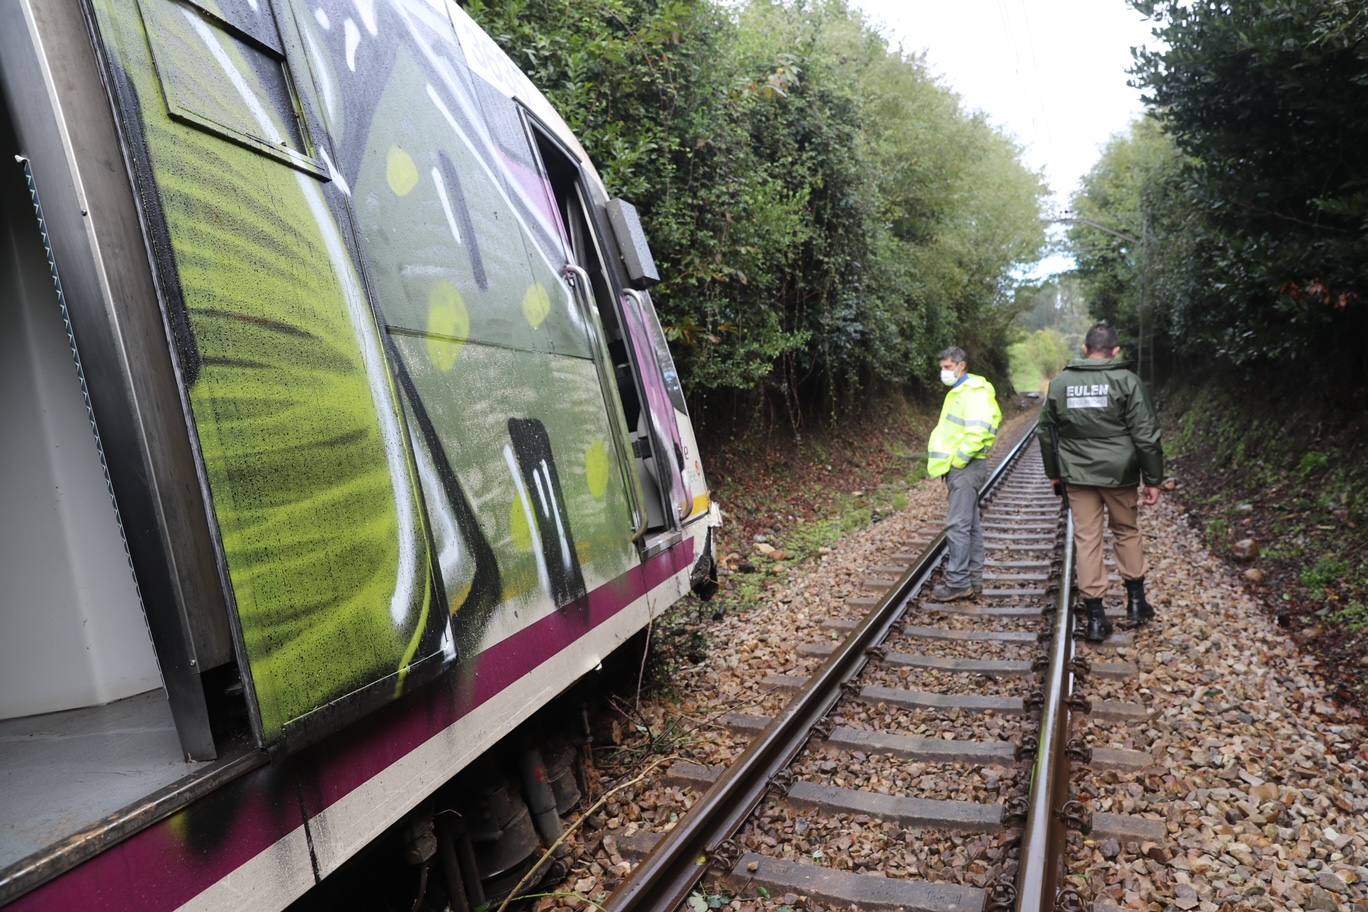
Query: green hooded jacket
column 1108, row 435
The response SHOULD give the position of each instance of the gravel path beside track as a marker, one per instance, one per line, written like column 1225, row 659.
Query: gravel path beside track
column 1260, row 782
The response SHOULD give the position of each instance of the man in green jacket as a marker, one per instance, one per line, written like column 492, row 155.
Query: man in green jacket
column 1099, row 440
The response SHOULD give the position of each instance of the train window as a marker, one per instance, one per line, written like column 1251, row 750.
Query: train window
column 526, row 181
column 259, row 108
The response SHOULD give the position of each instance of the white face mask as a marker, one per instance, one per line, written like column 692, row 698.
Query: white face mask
column 948, row 377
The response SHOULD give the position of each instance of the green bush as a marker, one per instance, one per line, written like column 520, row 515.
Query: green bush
column 1353, row 616
column 1237, row 211
column 1313, row 463
column 1323, row 574
column 825, row 215
column 1217, row 534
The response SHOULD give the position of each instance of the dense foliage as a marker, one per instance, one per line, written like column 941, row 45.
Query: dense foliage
column 1053, row 317
column 825, row 215
column 1246, row 197
column 1135, row 272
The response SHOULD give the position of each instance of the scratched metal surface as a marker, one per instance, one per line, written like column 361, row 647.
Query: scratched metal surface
column 62, row 772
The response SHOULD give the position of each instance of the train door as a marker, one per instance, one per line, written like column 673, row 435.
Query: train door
column 692, row 499
column 658, row 414
column 313, row 490
column 635, row 377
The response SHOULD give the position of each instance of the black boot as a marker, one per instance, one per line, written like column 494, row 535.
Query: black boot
column 1099, row 628
column 1138, row 611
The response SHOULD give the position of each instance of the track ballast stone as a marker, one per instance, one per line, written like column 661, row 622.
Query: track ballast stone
column 1261, row 780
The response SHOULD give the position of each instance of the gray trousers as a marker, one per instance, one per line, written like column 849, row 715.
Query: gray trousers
column 964, row 525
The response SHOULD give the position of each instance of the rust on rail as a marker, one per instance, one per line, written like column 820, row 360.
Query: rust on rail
column 1042, row 841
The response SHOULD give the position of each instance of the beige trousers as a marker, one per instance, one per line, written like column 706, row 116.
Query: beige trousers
column 1087, row 504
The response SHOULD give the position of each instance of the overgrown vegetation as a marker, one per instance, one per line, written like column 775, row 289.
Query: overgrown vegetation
column 1053, row 318
column 1037, row 358
column 1242, row 206
column 1293, row 482
column 1226, row 236
column 826, row 216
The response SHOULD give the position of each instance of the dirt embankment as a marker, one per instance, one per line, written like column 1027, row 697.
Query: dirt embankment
column 1281, row 492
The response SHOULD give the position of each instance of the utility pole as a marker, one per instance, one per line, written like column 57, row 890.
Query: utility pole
column 1143, row 304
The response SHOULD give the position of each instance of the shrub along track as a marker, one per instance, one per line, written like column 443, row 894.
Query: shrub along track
column 899, row 772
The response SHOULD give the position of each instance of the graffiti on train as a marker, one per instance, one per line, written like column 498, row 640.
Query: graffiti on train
column 403, row 432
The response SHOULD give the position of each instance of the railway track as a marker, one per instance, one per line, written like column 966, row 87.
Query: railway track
column 990, row 684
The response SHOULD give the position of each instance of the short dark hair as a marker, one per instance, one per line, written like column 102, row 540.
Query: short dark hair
column 1101, row 338
column 954, row 353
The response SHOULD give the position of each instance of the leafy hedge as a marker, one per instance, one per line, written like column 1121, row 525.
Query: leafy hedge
column 825, row 214
column 1247, row 192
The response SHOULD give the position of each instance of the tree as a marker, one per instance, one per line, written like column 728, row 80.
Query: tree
column 825, row 214
column 1131, row 208
column 1265, row 100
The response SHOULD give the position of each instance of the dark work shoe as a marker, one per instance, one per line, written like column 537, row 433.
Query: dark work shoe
column 1138, row 609
column 1099, row 628
column 944, row 593
column 976, row 583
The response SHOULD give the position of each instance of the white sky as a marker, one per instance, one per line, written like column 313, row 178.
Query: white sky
column 1051, row 73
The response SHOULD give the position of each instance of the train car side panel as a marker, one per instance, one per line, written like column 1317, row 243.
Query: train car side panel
column 390, row 760
column 242, row 846
column 300, row 430
column 463, row 254
column 411, row 449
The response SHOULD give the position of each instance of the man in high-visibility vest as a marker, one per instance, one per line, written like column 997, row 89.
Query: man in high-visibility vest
column 957, row 451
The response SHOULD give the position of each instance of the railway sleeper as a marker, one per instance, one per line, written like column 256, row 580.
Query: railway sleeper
column 1113, row 611
column 912, row 699
column 846, row 888
column 1016, row 577
column 939, row 663
column 990, row 636
column 933, row 750
column 878, row 583
column 1128, row 828
column 1102, row 710
column 987, row 666
column 965, row 816
column 845, row 625
column 841, row 737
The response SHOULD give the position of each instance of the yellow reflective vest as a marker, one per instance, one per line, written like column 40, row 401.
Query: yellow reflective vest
column 968, row 426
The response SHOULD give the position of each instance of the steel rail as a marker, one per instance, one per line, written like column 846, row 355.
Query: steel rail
column 1042, row 842
column 702, row 836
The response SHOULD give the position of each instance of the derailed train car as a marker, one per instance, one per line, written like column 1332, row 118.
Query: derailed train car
column 385, row 427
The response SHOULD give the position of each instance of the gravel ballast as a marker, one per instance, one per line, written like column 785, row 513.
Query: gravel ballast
column 1260, row 781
